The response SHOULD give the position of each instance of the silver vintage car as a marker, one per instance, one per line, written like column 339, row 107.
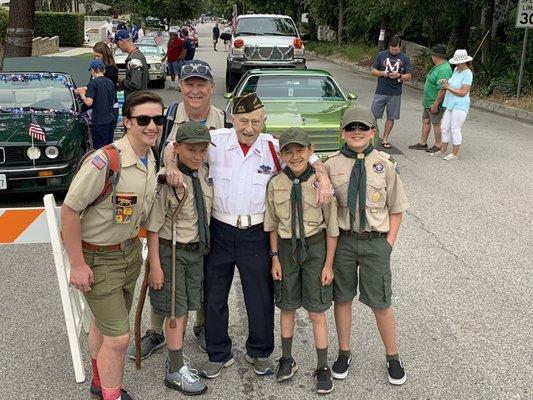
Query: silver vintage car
column 156, row 67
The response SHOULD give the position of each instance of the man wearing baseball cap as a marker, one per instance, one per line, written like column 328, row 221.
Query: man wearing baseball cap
column 136, row 67
column 174, row 56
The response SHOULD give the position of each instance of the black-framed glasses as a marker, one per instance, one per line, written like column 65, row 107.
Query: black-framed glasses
column 357, row 126
column 200, row 68
column 144, row 120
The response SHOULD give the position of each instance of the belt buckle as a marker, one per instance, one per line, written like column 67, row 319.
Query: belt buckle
column 239, row 223
column 125, row 245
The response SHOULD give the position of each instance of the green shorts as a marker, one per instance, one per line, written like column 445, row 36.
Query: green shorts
column 189, row 280
column 111, row 294
column 301, row 285
column 373, row 259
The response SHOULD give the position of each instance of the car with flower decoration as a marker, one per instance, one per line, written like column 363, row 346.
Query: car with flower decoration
column 262, row 41
column 43, row 132
column 156, row 67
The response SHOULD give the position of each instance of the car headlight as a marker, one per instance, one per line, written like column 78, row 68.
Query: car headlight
column 51, row 152
column 33, row 153
column 158, row 66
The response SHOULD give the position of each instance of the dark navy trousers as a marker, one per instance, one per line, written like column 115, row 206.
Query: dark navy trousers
column 248, row 249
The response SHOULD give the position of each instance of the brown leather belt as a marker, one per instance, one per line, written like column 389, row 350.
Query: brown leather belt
column 363, row 235
column 125, row 245
column 194, row 246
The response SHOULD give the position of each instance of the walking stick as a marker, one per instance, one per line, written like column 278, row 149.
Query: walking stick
column 144, row 287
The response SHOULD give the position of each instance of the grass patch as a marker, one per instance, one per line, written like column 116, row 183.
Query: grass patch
column 360, row 53
column 85, row 56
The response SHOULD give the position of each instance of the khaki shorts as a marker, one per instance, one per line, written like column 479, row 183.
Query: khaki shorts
column 374, row 275
column 433, row 118
column 189, row 280
column 111, row 294
column 301, row 285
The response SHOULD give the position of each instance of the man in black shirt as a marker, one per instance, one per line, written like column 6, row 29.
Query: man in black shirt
column 188, row 45
column 136, row 66
column 216, row 35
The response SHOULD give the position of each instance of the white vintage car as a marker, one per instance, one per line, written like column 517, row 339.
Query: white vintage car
column 263, row 40
column 156, row 67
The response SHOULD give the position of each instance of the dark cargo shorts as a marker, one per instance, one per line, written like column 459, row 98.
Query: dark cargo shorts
column 433, row 118
column 189, row 280
column 301, row 285
column 372, row 258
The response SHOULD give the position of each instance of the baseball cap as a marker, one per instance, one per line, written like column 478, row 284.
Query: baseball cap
column 293, row 135
column 122, row 34
column 172, row 31
column 358, row 114
column 192, row 132
column 97, row 65
column 196, row 68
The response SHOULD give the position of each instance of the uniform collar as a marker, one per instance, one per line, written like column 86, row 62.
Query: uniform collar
column 129, row 157
column 233, row 143
column 182, row 117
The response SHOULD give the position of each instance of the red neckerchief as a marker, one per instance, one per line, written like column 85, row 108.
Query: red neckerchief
column 245, row 148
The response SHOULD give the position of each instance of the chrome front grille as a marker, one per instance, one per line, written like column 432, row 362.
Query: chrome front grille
column 268, row 53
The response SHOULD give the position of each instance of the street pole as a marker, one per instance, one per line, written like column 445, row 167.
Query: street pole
column 521, row 72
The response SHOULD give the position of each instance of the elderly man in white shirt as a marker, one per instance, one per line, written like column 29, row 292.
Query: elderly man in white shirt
column 241, row 163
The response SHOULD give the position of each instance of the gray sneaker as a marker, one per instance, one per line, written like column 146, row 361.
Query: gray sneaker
column 262, row 366
column 201, row 341
column 150, row 342
column 186, row 381
column 212, row 369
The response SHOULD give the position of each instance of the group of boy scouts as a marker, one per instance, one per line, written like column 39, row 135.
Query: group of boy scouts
column 302, row 233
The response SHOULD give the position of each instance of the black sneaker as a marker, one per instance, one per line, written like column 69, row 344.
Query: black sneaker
column 324, row 383
column 287, row 367
column 96, row 393
column 397, row 374
column 150, row 342
column 339, row 369
column 433, row 149
column 418, row 146
column 197, row 330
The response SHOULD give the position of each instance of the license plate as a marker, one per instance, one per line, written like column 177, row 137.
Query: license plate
column 3, row 181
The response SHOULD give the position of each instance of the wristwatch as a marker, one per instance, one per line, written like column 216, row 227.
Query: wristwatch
column 273, row 253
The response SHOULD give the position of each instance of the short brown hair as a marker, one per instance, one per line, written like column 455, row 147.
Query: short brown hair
column 395, row 41
column 141, row 97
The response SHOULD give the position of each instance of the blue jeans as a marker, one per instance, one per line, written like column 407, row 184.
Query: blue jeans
column 102, row 134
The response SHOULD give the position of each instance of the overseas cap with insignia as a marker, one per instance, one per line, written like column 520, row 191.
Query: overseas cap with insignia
column 358, row 114
column 246, row 104
column 192, row 132
column 293, row 135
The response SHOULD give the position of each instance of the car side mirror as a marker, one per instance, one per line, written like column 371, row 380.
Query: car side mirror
column 305, row 36
column 352, row 96
column 225, row 36
column 228, row 96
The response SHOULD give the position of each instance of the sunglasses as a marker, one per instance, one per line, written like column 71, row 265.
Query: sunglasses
column 144, row 120
column 200, row 68
column 354, row 127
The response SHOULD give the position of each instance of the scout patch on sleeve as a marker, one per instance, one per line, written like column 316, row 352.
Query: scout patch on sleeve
column 314, row 184
column 124, row 204
column 208, row 180
column 99, row 162
column 378, row 167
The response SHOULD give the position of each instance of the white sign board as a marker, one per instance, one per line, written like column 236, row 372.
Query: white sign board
column 305, row 18
column 524, row 14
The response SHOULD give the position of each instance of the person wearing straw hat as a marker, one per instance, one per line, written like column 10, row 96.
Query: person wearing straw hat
column 457, row 103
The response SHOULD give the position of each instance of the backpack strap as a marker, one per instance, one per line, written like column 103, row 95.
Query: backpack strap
column 274, row 156
column 167, row 128
column 112, row 173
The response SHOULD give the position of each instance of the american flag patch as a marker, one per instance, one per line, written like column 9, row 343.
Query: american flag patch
column 98, row 162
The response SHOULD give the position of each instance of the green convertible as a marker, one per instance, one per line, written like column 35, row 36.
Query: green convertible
column 306, row 98
column 43, row 133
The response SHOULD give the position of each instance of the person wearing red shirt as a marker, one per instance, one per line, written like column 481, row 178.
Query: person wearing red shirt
column 174, row 56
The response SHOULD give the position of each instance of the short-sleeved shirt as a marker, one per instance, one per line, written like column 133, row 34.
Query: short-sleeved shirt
column 134, row 196
column 111, row 72
column 103, row 92
column 174, row 49
column 278, row 216
column 215, row 120
column 432, row 85
column 385, row 61
column 384, row 190
column 189, row 46
column 458, row 79
column 165, row 203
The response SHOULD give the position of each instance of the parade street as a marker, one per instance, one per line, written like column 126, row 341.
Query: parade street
column 462, row 281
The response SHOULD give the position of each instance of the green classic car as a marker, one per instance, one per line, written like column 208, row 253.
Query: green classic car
column 306, row 98
column 43, row 103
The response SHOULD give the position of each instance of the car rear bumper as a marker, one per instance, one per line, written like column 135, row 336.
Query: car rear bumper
column 37, row 179
column 241, row 66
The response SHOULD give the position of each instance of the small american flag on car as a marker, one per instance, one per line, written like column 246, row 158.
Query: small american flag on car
column 159, row 38
column 35, row 130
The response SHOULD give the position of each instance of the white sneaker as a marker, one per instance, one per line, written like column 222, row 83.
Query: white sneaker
column 437, row 154
column 451, row 157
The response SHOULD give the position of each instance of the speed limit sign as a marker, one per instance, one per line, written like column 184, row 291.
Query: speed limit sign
column 524, row 14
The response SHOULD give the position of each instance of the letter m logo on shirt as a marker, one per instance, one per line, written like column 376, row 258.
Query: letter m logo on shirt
column 390, row 67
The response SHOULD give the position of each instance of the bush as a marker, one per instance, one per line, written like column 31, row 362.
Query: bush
column 4, row 19
column 70, row 27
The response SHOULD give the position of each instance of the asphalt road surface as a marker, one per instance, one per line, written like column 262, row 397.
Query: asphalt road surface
column 462, row 283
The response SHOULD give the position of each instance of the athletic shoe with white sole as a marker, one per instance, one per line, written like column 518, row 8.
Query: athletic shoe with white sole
column 396, row 372
column 324, row 383
column 262, row 366
column 341, row 366
column 451, row 157
column 287, row 367
column 186, row 381
column 212, row 369
column 150, row 342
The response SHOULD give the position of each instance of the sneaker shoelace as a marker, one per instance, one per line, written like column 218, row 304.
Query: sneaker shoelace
column 321, row 374
column 190, row 374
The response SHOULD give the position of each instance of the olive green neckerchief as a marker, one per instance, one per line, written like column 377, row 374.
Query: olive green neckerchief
column 299, row 248
column 203, row 227
column 357, row 186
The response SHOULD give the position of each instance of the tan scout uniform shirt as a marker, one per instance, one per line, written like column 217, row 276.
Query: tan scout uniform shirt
column 278, row 210
column 384, row 190
column 215, row 120
column 134, row 196
column 165, row 203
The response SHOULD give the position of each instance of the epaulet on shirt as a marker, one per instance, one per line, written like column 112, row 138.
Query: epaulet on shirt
column 335, row 154
column 388, row 157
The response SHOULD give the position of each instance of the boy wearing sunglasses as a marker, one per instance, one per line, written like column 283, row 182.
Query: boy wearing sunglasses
column 192, row 243
column 303, row 237
column 101, row 236
column 371, row 201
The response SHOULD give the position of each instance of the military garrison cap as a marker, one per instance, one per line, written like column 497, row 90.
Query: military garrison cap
column 246, row 104
column 192, row 132
column 293, row 135
column 358, row 114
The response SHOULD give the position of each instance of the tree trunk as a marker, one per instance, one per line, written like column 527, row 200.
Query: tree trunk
column 487, row 21
column 460, row 32
column 340, row 27
column 383, row 27
column 19, row 34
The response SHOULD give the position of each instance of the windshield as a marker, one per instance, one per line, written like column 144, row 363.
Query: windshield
column 265, row 26
column 294, row 87
column 150, row 50
column 43, row 94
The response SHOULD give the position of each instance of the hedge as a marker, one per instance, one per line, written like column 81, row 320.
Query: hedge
column 70, row 27
column 4, row 17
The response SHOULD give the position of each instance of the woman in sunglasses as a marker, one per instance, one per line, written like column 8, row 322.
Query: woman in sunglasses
column 100, row 230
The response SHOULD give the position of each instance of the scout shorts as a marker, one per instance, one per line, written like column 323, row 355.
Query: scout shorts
column 363, row 262
column 393, row 104
column 433, row 118
column 189, row 279
column 301, row 285
column 111, row 294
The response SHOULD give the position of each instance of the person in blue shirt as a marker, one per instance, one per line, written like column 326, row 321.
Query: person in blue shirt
column 188, row 45
column 457, row 103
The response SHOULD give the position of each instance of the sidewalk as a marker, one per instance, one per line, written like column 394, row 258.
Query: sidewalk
column 71, row 52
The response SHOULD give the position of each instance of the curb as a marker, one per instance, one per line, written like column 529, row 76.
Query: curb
column 495, row 108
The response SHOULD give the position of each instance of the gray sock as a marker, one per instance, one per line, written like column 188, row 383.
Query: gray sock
column 346, row 353
column 321, row 357
column 286, row 347
column 176, row 359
